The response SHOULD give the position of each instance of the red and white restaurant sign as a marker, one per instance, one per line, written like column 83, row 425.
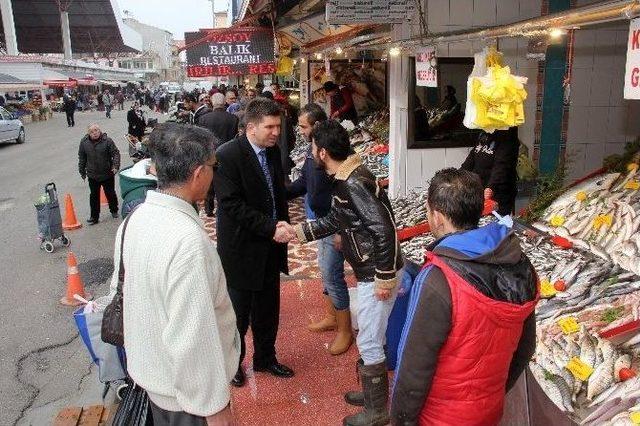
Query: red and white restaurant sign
column 426, row 67
column 632, row 74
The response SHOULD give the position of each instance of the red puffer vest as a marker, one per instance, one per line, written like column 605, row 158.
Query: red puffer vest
column 468, row 386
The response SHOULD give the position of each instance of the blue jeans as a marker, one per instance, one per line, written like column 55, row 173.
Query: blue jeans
column 331, row 262
column 373, row 316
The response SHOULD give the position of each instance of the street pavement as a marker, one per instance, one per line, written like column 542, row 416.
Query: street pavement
column 45, row 365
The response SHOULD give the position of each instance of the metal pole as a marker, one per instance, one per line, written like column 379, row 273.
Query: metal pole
column 66, row 34
column 10, row 39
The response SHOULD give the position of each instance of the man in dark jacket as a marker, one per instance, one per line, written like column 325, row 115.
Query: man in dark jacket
column 69, row 106
column 316, row 186
column 224, row 127
column 470, row 330
column 361, row 213
column 99, row 160
column 495, row 160
column 252, row 212
column 221, row 123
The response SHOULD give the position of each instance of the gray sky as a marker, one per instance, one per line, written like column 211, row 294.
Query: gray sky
column 176, row 16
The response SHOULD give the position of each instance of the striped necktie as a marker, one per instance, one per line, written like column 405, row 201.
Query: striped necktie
column 262, row 155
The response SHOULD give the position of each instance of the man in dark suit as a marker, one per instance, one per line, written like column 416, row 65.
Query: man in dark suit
column 221, row 123
column 253, row 232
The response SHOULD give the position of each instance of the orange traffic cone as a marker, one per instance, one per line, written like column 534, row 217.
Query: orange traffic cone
column 74, row 283
column 70, row 220
column 103, row 197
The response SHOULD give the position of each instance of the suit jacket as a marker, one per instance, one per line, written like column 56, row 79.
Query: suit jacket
column 136, row 124
column 221, row 123
column 245, row 226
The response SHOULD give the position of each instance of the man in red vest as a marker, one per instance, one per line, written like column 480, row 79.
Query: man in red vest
column 470, row 330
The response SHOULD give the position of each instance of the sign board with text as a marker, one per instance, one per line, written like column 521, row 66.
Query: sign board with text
column 367, row 11
column 426, row 67
column 232, row 51
column 632, row 70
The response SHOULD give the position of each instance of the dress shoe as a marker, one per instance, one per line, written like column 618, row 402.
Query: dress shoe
column 276, row 369
column 239, row 379
column 92, row 221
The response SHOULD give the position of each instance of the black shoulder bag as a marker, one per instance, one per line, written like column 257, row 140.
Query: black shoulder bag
column 112, row 320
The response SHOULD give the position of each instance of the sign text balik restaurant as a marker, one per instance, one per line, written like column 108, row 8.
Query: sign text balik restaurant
column 230, row 51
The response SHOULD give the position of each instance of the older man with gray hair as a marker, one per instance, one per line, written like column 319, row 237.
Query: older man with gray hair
column 179, row 325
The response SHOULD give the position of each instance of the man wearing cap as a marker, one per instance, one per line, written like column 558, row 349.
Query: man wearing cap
column 341, row 102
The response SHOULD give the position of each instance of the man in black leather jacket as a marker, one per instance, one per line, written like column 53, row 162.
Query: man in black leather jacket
column 361, row 213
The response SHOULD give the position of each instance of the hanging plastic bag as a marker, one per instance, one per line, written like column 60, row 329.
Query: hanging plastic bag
column 110, row 359
column 134, row 410
column 479, row 70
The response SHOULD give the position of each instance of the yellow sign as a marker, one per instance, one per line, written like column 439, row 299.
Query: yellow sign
column 635, row 417
column 579, row 369
column 568, row 325
column 547, row 289
column 602, row 219
column 557, row 220
column 632, row 166
column 632, row 184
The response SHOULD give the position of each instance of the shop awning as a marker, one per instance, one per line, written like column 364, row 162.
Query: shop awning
column 60, row 83
column 10, row 83
column 111, row 83
column 86, row 81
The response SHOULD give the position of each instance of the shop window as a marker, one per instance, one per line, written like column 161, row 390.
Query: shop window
column 438, row 112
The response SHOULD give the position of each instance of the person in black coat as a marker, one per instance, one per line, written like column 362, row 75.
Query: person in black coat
column 252, row 232
column 494, row 159
column 224, row 127
column 70, row 106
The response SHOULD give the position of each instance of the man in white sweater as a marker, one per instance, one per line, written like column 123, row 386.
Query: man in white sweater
column 179, row 325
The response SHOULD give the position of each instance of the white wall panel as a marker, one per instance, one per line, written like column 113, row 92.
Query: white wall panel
column 578, row 125
column 598, row 119
column 432, row 161
column 461, row 12
column 484, row 13
column 600, row 87
column 454, row 157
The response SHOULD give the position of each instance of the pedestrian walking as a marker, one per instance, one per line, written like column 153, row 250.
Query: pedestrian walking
column 120, row 100
column 252, row 212
column 471, row 327
column 179, row 324
column 69, row 105
column 107, row 99
column 99, row 161
column 362, row 214
column 316, row 186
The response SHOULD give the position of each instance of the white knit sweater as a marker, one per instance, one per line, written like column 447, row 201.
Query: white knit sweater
column 180, row 330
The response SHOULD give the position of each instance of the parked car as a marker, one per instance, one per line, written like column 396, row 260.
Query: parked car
column 11, row 129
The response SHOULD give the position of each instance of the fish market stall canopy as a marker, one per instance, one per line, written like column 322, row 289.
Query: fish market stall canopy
column 10, row 83
column 95, row 26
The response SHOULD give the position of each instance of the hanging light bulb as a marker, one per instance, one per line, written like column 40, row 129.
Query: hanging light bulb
column 318, row 56
column 556, row 33
column 295, row 61
column 302, row 60
column 339, row 50
column 394, row 51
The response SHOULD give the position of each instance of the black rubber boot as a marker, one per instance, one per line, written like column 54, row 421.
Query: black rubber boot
column 375, row 388
column 356, row 397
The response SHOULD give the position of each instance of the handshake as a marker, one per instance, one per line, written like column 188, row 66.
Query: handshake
column 284, row 233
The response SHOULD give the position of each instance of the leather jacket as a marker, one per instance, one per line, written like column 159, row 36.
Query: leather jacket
column 361, row 213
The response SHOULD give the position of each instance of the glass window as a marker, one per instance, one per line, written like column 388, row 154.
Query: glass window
column 438, row 112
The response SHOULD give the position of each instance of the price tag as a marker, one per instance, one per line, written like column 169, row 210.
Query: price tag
column 632, row 184
column 579, row 369
column 547, row 289
column 557, row 220
column 568, row 325
column 635, row 417
column 581, row 196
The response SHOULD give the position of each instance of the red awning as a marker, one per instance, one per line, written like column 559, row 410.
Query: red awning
column 60, row 83
column 85, row 81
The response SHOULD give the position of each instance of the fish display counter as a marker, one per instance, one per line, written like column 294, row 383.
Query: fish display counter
column 586, row 251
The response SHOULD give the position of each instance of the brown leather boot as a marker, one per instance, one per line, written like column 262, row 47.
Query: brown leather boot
column 329, row 321
column 343, row 339
column 375, row 387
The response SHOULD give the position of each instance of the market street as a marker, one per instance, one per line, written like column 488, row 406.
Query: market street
column 45, row 366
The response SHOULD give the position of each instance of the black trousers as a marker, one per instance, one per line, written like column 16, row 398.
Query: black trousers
column 70, row 120
column 94, row 196
column 261, row 310
column 162, row 417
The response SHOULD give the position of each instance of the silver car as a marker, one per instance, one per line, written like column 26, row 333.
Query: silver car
column 11, row 129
